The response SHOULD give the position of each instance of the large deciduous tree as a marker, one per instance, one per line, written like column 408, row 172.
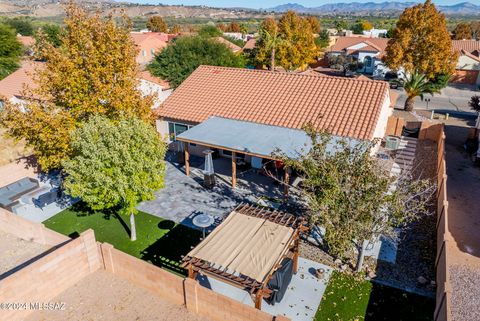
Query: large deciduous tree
column 350, row 193
column 294, row 45
column 421, row 44
column 115, row 164
column 10, row 51
column 463, row 30
column 92, row 72
column 157, row 24
column 177, row 61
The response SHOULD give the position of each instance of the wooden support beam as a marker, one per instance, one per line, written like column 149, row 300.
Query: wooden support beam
column 258, row 300
column 234, row 169
column 295, row 255
column 187, row 159
column 191, row 273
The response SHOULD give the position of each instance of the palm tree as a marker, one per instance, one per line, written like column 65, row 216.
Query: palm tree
column 416, row 84
column 272, row 39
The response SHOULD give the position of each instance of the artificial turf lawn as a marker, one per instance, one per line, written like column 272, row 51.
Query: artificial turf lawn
column 347, row 298
column 159, row 241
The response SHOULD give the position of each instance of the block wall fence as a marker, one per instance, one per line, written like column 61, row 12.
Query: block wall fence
column 70, row 260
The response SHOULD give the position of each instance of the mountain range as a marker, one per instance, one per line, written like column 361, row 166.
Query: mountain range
column 357, row 8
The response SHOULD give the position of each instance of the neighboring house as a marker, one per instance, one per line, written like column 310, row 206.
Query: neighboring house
column 369, row 51
column 239, row 35
column 240, row 104
column 149, row 44
column 233, row 47
column 468, row 65
column 151, row 85
column 375, row 33
column 12, row 87
column 250, row 44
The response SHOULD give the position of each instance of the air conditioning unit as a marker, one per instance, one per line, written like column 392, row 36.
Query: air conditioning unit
column 392, row 142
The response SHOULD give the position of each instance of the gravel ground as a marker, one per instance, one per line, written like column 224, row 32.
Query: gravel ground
column 15, row 251
column 103, row 296
column 416, row 249
column 465, row 293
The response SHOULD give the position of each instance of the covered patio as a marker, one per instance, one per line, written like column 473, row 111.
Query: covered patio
column 245, row 143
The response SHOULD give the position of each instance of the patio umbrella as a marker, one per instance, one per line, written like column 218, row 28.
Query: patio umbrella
column 208, row 172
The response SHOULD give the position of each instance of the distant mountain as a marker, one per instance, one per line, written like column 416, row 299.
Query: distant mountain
column 464, row 8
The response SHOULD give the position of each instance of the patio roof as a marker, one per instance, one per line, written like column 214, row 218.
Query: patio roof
column 247, row 248
column 250, row 138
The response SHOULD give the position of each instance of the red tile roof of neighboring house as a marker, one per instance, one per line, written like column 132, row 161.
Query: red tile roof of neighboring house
column 146, row 75
column 233, row 47
column 344, row 106
column 13, row 84
column 139, row 37
column 467, row 45
column 250, row 44
column 342, row 43
column 27, row 41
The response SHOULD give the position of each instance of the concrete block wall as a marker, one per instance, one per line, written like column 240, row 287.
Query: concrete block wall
column 27, row 230
column 51, row 274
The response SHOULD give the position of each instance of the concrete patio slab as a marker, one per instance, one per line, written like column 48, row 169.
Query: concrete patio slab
column 301, row 300
column 185, row 196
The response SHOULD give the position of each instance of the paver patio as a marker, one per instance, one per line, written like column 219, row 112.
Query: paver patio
column 184, row 196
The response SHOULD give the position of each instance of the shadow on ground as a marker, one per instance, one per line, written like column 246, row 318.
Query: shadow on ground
column 167, row 252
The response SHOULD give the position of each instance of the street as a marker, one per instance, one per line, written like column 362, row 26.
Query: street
column 453, row 97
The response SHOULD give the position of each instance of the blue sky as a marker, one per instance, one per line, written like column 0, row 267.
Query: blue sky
column 272, row 3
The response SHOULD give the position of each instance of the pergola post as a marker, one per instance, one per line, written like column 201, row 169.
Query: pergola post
column 296, row 255
column 191, row 273
column 187, row 159
column 258, row 300
column 234, row 169
column 286, row 180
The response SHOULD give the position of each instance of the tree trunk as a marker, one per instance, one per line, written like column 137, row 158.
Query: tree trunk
column 272, row 60
column 361, row 255
column 133, row 229
column 409, row 103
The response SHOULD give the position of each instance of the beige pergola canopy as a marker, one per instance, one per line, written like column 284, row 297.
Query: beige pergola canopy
column 247, row 248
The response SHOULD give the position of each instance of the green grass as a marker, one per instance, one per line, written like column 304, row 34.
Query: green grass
column 160, row 242
column 347, row 298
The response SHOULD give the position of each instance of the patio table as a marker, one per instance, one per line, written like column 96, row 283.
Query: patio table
column 203, row 221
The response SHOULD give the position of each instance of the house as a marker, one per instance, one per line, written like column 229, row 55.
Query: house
column 12, row 87
column 149, row 44
column 250, row 44
column 468, row 65
column 248, row 114
column 369, row 51
column 233, row 47
column 375, row 33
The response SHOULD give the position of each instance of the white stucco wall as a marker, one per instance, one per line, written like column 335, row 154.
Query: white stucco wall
column 150, row 88
column 467, row 63
column 385, row 112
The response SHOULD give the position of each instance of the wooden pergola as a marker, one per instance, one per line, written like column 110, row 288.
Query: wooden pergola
column 234, row 268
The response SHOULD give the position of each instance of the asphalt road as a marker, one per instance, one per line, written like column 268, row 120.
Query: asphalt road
column 451, row 98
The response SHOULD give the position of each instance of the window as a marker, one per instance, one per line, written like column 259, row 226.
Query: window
column 367, row 61
column 175, row 129
column 152, row 51
column 144, row 53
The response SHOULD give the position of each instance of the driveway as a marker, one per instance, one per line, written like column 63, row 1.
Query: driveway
column 453, row 97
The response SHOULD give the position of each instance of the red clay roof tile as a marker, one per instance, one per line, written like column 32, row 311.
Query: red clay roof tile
column 345, row 106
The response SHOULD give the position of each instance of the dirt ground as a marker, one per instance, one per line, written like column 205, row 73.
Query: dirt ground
column 463, row 186
column 103, row 296
column 15, row 251
column 10, row 150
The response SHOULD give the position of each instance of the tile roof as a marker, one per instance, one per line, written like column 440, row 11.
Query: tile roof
column 13, row 84
column 344, row 106
column 27, row 41
column 342, row 43
column 233, row 47
column 250, row 44
column 146, row 75
column 467, row 45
